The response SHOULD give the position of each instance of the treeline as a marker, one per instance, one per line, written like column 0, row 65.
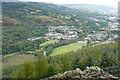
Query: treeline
column 103, row 56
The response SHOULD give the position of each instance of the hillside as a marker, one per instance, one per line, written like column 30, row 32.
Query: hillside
column 21, row 11
column 24, row 20
column 40, row 40
column 32, row 19
column 104, row 56
column 89, row 6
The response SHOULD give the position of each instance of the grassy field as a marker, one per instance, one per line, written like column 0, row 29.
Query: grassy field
column 16, row 60
column 67, row 48
column 115, row 29
column 49, row 42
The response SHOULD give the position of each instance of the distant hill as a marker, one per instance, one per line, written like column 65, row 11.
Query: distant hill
column 89, row 7
column 10, row 0
column 22, row 11
column 52, row 14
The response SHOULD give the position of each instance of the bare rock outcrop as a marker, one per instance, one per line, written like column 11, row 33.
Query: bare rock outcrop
column 90, row 73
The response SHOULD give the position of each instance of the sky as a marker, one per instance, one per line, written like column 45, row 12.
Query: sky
column 113, row 3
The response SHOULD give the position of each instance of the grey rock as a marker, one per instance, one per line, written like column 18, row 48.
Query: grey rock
column 90, row 73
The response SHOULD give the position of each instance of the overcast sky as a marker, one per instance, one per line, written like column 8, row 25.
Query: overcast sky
column 96, row 2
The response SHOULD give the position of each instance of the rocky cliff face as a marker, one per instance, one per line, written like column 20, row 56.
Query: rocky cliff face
column 90, row 73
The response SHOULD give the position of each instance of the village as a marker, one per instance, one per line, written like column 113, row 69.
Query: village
column 62, row 32
column 72, row 32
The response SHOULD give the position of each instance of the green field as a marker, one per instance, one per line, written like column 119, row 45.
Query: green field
column 49, row 42
column 67, row 48
column 16, row 60
column 115, row 29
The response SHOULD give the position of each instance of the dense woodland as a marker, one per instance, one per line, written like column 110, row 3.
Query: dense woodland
column 103, row 56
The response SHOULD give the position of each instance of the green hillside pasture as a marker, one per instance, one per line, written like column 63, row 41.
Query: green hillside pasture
column 16, row 60
column 115, row 29
column 67, row 48
column 49, row 42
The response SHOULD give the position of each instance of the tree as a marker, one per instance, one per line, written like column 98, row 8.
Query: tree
column 66, row 63
column 82, row 62
column 41, row 67
column 49, row 50
column 75, row 61
column 106, row 61
column 26, row 70
column 89, row 61
column 41, row 50
column 96, row 58
column 86, row 60
column 54, row 68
